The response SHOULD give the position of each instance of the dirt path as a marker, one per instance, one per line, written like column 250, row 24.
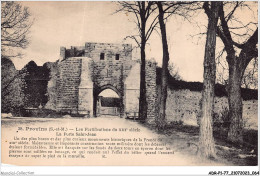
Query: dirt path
column 183, row 155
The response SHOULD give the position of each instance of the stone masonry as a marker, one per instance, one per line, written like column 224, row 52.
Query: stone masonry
column 84, row 72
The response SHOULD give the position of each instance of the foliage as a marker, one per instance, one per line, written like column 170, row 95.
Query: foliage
column 36, row 80
column 222, row 119
column 221, row 123
column 12, row 82
column 176, row 123
column 51, row 87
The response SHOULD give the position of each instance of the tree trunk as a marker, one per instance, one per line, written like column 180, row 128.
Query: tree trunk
column 206, row 140
column 235, row 133
column 237, row 66
column 142, row 97
column 161, row 122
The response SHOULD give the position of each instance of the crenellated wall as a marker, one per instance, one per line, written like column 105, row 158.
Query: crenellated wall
column 93, row 50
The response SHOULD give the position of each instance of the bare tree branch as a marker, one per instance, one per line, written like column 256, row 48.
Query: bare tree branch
column 15, row 25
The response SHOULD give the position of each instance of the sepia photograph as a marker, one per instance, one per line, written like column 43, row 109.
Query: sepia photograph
column 129, row 83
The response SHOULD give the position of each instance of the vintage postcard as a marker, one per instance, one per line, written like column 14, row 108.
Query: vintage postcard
column 130, row 83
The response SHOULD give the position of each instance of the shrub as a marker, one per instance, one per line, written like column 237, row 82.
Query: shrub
column 221, row 122
column 176, row 123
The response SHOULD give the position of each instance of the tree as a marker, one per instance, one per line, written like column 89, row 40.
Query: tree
column 36, row 81
column 169, row 8
column 142, row 11
column 239, row 55
column 147, row 22
column 250, row 78
column 165, row 72
column 12, row 82
column 206, row 140
column 15, row 25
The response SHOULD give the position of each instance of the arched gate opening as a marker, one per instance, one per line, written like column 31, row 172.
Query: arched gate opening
column 107, row 101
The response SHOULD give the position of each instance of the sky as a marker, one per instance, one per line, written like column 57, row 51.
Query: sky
column 68, row 24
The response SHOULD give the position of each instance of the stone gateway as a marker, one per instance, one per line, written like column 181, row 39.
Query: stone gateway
column 83, row 72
